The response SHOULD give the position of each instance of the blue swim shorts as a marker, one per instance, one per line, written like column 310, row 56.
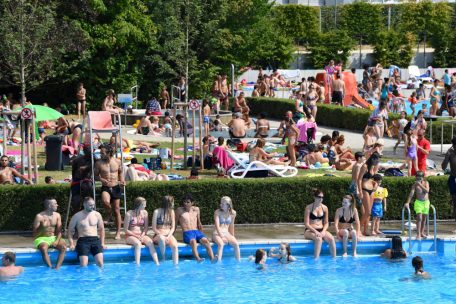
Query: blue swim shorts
column 377, row 209
column 193, row 235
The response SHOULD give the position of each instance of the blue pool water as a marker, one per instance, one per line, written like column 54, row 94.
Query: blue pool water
column 367, row 279
column 418, row 106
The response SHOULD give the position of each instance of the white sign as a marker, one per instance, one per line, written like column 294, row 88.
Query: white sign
column 193, row 105
column 26, row 113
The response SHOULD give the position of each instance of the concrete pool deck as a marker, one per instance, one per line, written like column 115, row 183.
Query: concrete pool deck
column 264, row 233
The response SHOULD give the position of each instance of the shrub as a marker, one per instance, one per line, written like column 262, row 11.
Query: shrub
column 270, row 200
column 437, row 132
column 327, row 115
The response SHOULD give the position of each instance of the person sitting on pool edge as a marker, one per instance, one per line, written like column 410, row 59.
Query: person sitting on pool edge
column 9, row 268
column 91, row 233
column 164, row 225
column 317, row 223
column 417, row 263
column 224, row 228
column 343, row 222
column 188, row 217
column 396, row 251
column 47, row 230
column 136, row 224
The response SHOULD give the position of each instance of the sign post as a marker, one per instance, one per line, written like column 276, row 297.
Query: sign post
column 26, row 115
column 193, row 105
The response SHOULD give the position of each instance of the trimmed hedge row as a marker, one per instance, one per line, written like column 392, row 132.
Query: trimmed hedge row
column 328, row 115
column 271, row 200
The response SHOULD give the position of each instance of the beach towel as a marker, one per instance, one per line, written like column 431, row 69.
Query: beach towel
column 222, row 158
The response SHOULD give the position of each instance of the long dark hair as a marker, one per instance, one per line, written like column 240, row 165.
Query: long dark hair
column 396, row 248
column 259, row 254
column 370, row 161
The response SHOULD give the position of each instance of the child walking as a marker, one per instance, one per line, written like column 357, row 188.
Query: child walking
column 379, row 204
column 206, row 113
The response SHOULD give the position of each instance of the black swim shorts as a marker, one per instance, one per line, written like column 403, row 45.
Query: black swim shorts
column 88, row 244
column 452, row 184
column 114, row 192
column 337, row 97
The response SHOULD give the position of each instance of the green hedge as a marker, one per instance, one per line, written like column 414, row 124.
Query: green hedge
column 437, row 131
column 327, row 115
column 270, row 200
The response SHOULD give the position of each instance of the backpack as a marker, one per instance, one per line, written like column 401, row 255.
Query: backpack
column 393, row 172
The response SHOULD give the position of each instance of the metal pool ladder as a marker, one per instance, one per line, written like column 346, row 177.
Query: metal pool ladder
column 431, row 207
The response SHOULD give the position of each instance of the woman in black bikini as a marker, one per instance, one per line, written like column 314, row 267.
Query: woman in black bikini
column 343, row 222
column 371, row 167
column 317, row 223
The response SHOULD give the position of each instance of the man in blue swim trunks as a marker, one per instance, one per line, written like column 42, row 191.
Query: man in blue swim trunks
column 188, row 217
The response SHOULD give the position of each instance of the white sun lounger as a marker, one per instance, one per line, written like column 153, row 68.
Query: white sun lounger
column 242, row 167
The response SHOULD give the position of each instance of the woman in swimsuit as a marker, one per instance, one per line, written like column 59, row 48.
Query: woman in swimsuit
column 108, row 103
column 163, row 225
column 368, row 186
column 369, row 139
column 292, row 133
column 420, row 122
column 262, row 126
column 343, row 222
column 371, row 167
column 136, row 225
column 312, row 98
column 224, row 228
column 75, row 130
column 411, row 157
column 435, row 95
column 258, row 154
column 299, row 108
column 341, row 151
column 317, row 223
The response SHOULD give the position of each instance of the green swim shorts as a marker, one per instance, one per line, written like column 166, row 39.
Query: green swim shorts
column 422, row 206
column 45, row 239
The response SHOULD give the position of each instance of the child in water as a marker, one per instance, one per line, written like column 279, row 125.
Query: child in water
column 260, row 258
column 417, row 263
column 284, row 254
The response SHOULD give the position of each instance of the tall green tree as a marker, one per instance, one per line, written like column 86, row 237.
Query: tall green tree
column 298, row 22
column 361, row 20
column 34, row 42
column 335, row 45
column 393, row 47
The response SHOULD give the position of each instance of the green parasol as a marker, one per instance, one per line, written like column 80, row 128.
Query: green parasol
column 45, row 113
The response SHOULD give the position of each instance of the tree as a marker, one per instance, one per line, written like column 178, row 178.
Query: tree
column 33, row 40
column 362, row 21
column 392, row 47
column 335, row 45
column 298, row 22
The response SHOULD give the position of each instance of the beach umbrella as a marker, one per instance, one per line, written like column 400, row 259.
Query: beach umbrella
column 45, row 113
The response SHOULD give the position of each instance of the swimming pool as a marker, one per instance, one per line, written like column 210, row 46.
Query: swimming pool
column 418, row 106
column 367, row 279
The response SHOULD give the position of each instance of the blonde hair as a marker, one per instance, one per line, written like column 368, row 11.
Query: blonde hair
column 260, row 143
column 229, row 202
column 139, row 201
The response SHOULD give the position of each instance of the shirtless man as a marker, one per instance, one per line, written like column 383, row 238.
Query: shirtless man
column 224, row 92
column 450, row 158
column 111, row 176
column 91, row 233
column 9, row 268
column 188, row 217
column 338, row 90
column 81, row 183
column 164, row 97
column 215, row 90
column 420, row 190
column 81, row 99
column 237, row 126
column 240, row 105
column 7, row 173
column 353, row 189
column 47, row 231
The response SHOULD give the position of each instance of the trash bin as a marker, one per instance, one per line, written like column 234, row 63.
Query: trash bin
column 54, row 153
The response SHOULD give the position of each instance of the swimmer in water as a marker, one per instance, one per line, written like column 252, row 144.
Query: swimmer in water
column 417, row 263
column 283, row 254
column 259, row 258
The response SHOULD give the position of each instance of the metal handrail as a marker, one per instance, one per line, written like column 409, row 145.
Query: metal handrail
column 410, row 227
column 435, row 225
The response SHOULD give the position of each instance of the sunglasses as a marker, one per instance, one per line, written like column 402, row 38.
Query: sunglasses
column 319, row 196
